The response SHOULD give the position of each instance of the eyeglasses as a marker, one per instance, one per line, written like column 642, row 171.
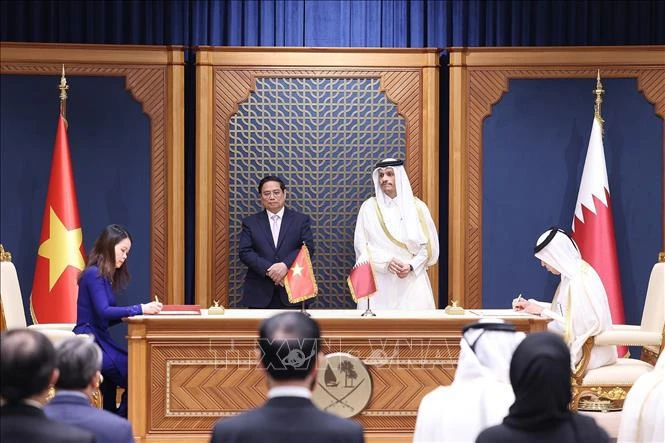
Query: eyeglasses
column 275, row 193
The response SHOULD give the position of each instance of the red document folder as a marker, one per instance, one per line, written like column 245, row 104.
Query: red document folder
column 181, row 310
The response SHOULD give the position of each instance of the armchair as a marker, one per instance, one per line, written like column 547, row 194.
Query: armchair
column 605, row 388
column 13, row 315
column 11, row 303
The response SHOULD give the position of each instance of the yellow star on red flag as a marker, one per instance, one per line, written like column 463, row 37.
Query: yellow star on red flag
column 297, row 269
column 62, row 248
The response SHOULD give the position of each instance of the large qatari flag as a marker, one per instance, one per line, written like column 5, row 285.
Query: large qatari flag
column 593, row 225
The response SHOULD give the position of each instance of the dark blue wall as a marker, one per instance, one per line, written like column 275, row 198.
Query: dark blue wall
column 109, row 139
column 534, row 146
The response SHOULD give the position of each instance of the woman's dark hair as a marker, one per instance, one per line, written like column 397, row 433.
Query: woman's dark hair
column 102, row 255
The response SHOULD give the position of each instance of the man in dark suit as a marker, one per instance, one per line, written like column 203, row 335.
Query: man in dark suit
column 269, row 243
column 79, row 360
column 27, row 368
column 289, row 347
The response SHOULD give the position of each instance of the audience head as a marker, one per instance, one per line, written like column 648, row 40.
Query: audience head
column 558, row 252
column 109, row 254
column 540, row 375
column 486, row 349
column 79, row 360
column 27, row 362
column 289, row 346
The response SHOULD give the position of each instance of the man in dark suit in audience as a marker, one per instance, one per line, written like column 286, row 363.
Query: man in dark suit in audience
column 79, row 360
column 27, row 368
column 269, row 243
column 289, row 346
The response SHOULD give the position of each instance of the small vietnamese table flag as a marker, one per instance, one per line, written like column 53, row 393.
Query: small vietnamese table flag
column 361, row 281
column 60, row 252
column 299, row 281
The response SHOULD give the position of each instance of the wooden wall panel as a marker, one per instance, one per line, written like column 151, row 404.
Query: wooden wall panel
column 479, row 77
column 227, row 76
column 154, row 75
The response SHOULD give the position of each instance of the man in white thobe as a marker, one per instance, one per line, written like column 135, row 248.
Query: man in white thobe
column 396, row 234
column 643, row 416
column 480, row 394
column 579, row 309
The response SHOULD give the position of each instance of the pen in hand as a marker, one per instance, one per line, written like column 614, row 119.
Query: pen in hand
column 517, row 300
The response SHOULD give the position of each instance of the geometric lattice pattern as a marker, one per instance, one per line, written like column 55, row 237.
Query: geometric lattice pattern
column 322, row 136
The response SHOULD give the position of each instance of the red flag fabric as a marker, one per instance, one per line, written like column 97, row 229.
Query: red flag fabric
column 593, row 225
column 361, row 281
column 60, row 253
column 299, row 281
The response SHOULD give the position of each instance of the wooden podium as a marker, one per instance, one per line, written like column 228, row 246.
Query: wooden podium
column 186, row 372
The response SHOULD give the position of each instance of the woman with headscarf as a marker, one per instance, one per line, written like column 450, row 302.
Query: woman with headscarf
column 540, row 375
column 579, row 309
column 481, row 385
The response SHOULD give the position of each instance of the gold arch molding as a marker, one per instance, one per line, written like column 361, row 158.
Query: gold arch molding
column 478, row 79
column 154, row 76
column 227, row 76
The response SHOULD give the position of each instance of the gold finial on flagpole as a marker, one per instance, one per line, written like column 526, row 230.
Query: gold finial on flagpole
column 63, row 94
column 598, row 92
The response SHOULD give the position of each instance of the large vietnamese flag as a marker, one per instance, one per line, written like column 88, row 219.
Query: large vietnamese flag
column 593, row 226
column 60, row 253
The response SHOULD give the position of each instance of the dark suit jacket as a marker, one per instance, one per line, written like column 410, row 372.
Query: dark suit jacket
column 20, row 423
column 257, row 250
column 76, row 410
column 287, row 420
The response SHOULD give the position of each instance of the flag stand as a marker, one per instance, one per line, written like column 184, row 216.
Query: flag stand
column 302, row 309
column 368, row 312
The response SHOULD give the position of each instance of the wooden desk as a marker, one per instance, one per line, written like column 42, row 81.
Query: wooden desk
column 185, row 372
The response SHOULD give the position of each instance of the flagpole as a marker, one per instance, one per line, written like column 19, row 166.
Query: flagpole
column 598, row 92
column 368, row 312
column 302, row 309
column 63, row 95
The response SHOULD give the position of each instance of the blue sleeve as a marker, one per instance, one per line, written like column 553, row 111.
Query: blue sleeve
column 97, row 288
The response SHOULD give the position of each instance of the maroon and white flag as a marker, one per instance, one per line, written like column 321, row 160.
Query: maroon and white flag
column 593, row 225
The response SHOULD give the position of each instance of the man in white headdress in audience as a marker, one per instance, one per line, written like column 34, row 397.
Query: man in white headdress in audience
column 579, row 309
column 396, row 234
column 480, row 394
column 643, row 416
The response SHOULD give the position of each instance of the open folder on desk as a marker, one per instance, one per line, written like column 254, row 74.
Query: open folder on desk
column 497, row 313
column 181, row 310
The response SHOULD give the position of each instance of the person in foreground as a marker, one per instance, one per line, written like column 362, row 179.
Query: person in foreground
column 269, row 243
column 481, row 385
column 289, row 414
column 580, row 308
column 27, row 368
column 396, row 234
column 540, row 375
column 96, row 308
column 79, row 361
column 643, row 416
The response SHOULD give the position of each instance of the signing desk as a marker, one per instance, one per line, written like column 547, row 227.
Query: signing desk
column 185, row 372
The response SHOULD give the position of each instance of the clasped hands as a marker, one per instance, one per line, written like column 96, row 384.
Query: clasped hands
column 399, row 268
column 522, row 305
column 277, row 272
